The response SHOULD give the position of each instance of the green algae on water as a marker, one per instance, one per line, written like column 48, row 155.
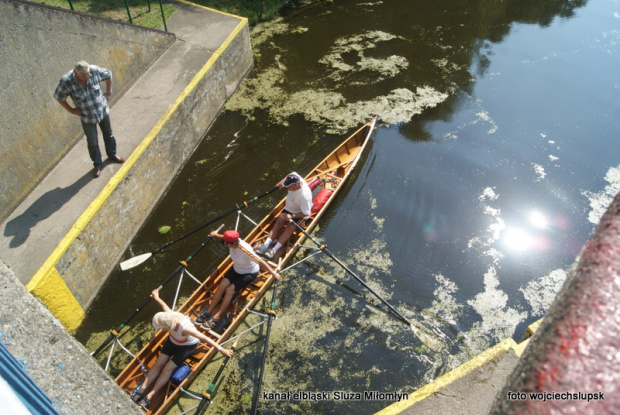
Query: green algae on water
column 267, row 88
column 360, row 44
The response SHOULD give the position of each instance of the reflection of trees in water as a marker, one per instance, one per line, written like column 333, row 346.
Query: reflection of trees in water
column 443, row 49
column 450, row 49
column 392, row 60
column 542, row 12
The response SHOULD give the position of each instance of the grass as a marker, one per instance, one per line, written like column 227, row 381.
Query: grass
column 117, row 10
column 147, row 13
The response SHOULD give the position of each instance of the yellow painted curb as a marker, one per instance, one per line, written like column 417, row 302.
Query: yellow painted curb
column 53, row 291
column 520, row 347
column 47, row 284
column 449, row 378
column 531, row 329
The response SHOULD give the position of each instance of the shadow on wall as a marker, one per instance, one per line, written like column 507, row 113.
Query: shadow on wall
column 36, row 133
column 42, row 208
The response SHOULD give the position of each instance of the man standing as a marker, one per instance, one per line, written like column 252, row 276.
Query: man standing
column 83, row 85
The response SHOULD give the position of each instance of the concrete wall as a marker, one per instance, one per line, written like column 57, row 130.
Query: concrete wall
column 36, row 132
column 100, row 237
column 88, row 261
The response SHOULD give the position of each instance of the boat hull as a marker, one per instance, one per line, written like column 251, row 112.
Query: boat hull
column 331, row 173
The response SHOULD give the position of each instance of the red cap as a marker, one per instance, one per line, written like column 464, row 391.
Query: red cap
column 230, row 236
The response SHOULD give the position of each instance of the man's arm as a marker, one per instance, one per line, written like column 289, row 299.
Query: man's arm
column 261, row 262
column 74, row 111
column 62, row 93
column 266, row 267
column 108, row 87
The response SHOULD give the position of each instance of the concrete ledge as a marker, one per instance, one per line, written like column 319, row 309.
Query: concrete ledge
column 416, row 398
column 54, row 360
column 37, row 132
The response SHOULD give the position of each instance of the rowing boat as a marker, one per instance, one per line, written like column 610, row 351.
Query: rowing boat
column 327, row 179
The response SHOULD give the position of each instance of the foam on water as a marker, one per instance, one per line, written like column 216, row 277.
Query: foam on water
column 540, row 292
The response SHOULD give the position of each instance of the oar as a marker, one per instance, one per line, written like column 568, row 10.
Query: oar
column 182, row 265
column 206, row 396
column 329, row 254
column 424, row 338
column 271, row 314
column 137, row 260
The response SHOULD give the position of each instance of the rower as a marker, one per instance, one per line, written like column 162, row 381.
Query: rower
column 246, row 266
column 181, row 343
column 298, row 206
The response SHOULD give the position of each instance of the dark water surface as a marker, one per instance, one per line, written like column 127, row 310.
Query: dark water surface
column 496, row 154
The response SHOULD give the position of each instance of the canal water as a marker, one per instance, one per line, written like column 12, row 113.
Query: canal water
column 496, row 153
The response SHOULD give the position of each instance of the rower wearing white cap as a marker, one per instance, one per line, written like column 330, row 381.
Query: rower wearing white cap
column 298, row 206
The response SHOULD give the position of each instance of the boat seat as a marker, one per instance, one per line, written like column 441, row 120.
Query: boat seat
column 251, row 287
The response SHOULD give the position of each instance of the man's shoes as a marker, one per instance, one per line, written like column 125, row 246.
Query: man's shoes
column 210, row 324
column 271, row 253
column 203, row 316
column 262, row 249
column 117, row 159
column 97, row 172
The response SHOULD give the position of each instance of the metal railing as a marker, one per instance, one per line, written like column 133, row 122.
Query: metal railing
column 161, row 9
column 22, row 391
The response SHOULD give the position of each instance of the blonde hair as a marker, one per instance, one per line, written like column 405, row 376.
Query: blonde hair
column 167, row 320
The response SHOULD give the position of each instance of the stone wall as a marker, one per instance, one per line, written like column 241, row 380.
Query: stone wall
column 38, row 45
column 73, row 274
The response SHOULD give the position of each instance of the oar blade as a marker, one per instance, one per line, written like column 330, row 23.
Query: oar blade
column 427, row 339
column 135, row 261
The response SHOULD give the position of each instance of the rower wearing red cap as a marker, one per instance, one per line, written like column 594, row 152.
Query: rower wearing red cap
column 246, row 266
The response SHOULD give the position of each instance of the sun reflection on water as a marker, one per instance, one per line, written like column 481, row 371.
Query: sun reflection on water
column 538, row 219
column 529, row 236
